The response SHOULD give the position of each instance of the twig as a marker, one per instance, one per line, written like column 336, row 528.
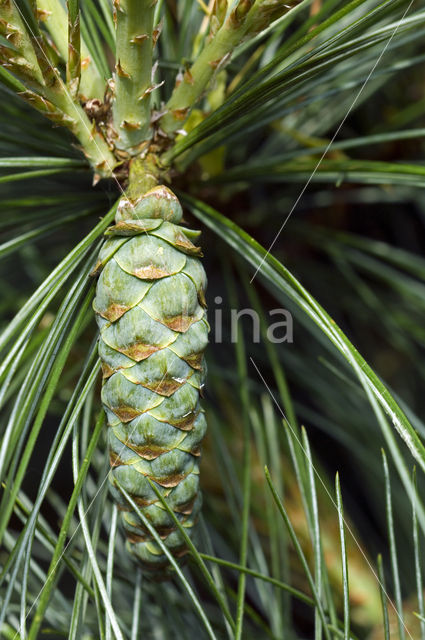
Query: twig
column 53, row 15
column 133, row 71
column 73, row 67
column 246, row 19
column 20, row 58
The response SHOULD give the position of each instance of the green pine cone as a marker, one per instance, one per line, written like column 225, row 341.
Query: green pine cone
column 150, row 308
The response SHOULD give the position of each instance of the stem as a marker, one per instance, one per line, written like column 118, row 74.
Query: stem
column 247, row 18
column 133, row 81
column 57, row 104
column 23, row 62
column 73, row 67
column 92, row 141
column 144, row 174
column 54, row 17
column 45, row 90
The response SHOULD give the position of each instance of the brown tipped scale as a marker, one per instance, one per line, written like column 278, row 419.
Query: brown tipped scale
column 150, row 307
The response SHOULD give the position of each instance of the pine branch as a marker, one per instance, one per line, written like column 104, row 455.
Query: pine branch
column 53, row 15
column 28, row 59
column 247, row 18
column 133, row 71
column 20, row 58
column 73, row 67
column 92, row 141
column 56, row 103
column 60, row 108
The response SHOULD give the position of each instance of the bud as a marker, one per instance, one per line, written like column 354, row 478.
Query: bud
column 240, row 12
column 220, row 10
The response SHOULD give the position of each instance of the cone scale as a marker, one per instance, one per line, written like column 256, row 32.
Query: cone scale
column 150, row 309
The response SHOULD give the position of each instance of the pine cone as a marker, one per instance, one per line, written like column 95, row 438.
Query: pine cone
column 150, row 308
